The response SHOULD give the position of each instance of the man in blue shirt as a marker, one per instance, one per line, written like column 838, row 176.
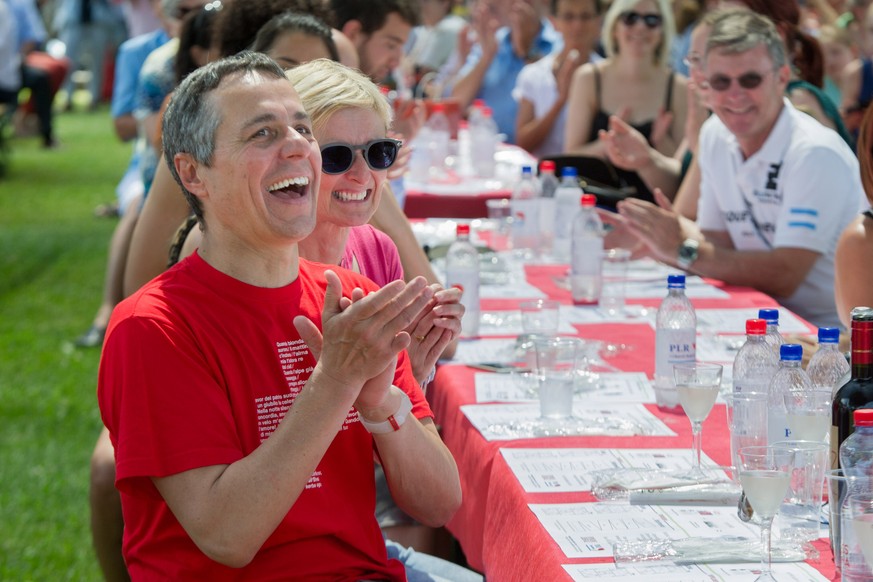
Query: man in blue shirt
column 505, row 46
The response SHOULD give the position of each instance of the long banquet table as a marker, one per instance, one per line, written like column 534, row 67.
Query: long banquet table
column 499, row 534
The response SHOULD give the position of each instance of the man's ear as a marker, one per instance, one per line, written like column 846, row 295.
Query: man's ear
column 188, row 170
column 353, row 29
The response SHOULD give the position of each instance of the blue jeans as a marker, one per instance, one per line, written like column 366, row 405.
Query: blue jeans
column 426, row 568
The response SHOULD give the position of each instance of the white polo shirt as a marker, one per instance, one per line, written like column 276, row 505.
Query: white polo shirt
column 800, row 190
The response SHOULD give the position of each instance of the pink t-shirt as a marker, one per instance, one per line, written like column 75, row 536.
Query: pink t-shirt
column 198, row 369
column 372, row 253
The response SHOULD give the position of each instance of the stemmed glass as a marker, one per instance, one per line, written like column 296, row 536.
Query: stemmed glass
column 809, row 413
column 697, row 385
column 765, row 473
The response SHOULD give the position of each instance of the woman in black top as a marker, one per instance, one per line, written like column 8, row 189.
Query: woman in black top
column 634, row 82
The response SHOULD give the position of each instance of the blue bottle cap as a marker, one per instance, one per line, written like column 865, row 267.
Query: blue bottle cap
column 675, row 281
column 526, row 170
column 771, row 316
column 569, row 171
column 828, row 335
column 790, row 352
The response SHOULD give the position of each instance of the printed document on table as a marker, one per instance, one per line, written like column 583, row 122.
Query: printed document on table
column 734, row 321
column 588, row 530
column 718, row 348
column 695, row 287
column 634, row 314
column 517, row 290
column 508, row 322
column 571, row 470
column 607, row 387
column 513, row 421
column 659, row 572
column 484, row 350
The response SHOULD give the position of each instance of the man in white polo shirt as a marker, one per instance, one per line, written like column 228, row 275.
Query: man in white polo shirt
column 777, row 187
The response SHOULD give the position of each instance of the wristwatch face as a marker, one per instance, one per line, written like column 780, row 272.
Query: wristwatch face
column 687, row 253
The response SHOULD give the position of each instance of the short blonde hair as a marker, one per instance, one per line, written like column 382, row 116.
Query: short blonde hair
column 668, row 28
column 325, row 87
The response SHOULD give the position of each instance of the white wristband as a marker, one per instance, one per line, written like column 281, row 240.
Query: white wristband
column 393, row 422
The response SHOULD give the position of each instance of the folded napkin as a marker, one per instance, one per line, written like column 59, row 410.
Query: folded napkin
column 721, row 550
column 644, row 486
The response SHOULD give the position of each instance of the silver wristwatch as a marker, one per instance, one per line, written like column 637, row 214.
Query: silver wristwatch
column 687, row 253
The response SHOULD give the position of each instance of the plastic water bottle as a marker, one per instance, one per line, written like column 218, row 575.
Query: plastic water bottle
column 856, row 452
column 483, row 140
column 774, row 339
column 462, row 271
column 754, row 367
column 756, row 363
column 474, row 113
column 675, row 339
column 439, row 137
column 789, row 377
column 526, row 212
column 856, row 459
column 828, row 368
column 465, row 150
column 548, row 181
column 566, row 202
column 586, row 253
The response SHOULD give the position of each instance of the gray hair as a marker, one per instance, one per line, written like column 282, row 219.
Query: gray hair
column 191, row 119
column 740, row 30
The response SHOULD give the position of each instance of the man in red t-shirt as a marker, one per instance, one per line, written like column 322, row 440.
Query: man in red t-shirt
column 246, row 390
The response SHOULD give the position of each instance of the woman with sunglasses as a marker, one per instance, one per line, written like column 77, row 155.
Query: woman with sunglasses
column 636, row 35
column 350, row 119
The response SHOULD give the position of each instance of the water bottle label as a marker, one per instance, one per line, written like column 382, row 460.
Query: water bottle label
column 525, row 223
column 467, row 280
column 673, row 346
column 751, row 385
column 587, row 256
column 777, row 426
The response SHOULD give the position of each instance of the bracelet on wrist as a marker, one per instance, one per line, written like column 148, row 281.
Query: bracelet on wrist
column 393, row 422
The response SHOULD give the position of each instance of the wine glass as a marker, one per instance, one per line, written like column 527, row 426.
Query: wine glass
column 697, row 385
column 765, row 473
column 809, row 413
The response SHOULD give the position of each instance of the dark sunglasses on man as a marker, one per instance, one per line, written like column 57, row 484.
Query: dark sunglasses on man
column 721, row 83
column 651, row 20
column 380, row 154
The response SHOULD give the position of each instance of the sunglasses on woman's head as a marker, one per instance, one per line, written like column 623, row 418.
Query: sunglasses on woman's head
column 650, row 20
column 746, row 81
column 379, row 154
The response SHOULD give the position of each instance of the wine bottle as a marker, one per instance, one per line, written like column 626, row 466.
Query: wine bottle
column 858, row 391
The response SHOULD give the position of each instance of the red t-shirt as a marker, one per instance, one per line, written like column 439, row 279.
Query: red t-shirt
column 198, row 369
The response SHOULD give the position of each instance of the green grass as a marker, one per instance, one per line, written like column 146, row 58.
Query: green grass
column 52, row 262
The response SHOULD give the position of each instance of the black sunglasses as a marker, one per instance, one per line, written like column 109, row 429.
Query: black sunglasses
column 650, row 20
column 746, row 81
column 379, row 154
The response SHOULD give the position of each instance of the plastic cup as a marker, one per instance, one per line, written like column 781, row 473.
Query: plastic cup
column 556, row 374
column 539, row 316
column 747, row 422
column 857, row 523
column 612, row 290
column 839, row 487
column 800, row 514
